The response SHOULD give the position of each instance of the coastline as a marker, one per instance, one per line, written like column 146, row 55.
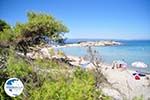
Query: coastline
column 130, row 51
column 123, row 82
column 91, row 43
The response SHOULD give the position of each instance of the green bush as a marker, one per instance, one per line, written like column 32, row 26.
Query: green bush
column 60, row 53
column 17, row 67
column 74, row 88
column 57, row 84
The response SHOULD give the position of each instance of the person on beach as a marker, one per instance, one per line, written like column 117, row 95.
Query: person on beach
column 120, row 65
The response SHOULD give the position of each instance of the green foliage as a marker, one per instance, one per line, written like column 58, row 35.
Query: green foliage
column 56, row 82
column 6, row 35
column 30, row 33
column 45, row 63
column 16, row 66
column 74, row 88
column 3, row 25
column 60, row 53
column 3, row 96
column 40, row 24
column 43, row 78
column 138, row 98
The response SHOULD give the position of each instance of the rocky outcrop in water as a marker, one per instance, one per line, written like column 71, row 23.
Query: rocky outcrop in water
column 94, row 43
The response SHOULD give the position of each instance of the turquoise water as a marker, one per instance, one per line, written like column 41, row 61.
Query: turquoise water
column 130, row 51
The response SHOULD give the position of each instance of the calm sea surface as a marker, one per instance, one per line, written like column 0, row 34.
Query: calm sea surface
column 130, row 51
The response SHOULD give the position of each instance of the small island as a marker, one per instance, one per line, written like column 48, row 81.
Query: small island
column 94, row 43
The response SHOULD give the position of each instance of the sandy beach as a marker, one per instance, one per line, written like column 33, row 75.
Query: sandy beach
column 124, row 84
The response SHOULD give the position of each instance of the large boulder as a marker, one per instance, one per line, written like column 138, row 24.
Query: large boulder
column 45, row 52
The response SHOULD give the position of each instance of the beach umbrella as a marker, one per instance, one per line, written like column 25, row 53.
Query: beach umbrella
column 139, row 64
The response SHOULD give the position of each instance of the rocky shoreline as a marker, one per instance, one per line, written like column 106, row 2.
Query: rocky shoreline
column 92, row 43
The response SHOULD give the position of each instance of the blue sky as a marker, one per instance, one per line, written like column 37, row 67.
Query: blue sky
column 101, row 19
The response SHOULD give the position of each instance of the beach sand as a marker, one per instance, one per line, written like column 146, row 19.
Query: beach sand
column 124, row 84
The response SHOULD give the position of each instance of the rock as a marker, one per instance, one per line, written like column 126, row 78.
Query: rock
column 97, row 43
column 42, row 53
column 45, row 53
column 29, row 55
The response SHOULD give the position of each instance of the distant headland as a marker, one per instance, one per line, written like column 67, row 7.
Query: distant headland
column 92, row 43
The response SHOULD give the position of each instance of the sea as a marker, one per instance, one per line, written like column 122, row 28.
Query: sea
column 130, row 51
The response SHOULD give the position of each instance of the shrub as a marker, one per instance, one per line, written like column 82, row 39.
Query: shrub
column 50, row 85
column 17, row 67
column 74, row 88
column 61, row 53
